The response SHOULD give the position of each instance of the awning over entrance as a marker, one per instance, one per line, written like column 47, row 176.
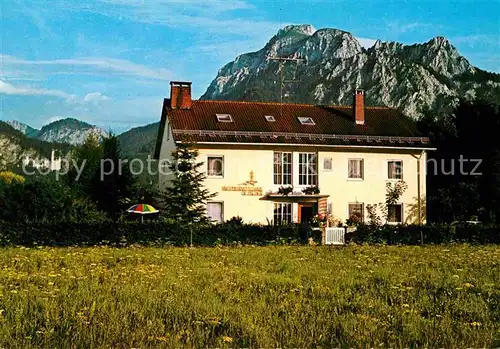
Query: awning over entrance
column 307, row 205
column 293, row 197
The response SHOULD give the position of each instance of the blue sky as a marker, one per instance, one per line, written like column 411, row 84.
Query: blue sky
column 109, row 62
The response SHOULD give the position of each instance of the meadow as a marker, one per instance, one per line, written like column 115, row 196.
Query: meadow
column 289, row 296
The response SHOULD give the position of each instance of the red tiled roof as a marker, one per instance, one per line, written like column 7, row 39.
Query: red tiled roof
column 330, row 121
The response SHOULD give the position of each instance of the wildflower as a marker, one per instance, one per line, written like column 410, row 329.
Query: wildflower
column 162, row 339
column 213, row 321
column 227, row 339
column 468, row 285
column 475, row 324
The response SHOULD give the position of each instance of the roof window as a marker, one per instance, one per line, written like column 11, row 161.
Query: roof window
column 306, row 121
column 224, row 117
column 270, row 118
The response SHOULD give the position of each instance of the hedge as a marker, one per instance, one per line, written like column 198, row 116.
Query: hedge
column 126, row 233
column 431, row 233
column 170, row 233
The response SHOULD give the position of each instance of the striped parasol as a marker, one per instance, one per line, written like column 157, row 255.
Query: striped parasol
column 142, row 209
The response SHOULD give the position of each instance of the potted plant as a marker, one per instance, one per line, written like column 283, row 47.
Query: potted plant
column 312, row 190
column 352, row 223
column 319, row 221
column 285, row 190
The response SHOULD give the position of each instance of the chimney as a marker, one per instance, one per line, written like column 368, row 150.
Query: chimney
column 359, row 106
column 180, row 95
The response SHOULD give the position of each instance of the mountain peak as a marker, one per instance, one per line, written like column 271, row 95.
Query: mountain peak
column 24, row 128
column 440, row 40
column 68, row 122
column 69, row 130
column 408, row 77
column 306, row 29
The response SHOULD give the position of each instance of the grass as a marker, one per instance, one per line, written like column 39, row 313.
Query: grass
column 265, row 297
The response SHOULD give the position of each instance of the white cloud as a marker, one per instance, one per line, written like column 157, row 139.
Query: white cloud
column 53, row 119
column 95, row 97
column 9, row 89
column 98, row 64
column 366, row 43
column 472, row 40
column 209, row 16
column 397, row 27
column 212, row 6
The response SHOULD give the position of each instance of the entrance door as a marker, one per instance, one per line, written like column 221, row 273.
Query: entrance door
column 306, row 213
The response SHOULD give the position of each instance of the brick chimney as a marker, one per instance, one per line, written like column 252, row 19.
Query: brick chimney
column 359, row 106
column 180, row 95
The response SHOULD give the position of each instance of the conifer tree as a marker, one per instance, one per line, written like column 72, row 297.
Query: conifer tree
column 114, row 183
column 185, row 197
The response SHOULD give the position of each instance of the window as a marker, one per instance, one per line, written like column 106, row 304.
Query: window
column 356, row 170
column 282, row 213
column 270, row 118
column 329, row 208
column 395, row 169
column 282, row 168
column 395, row 213
column 306, row 121
column 215, row 166
column 224, row 118
column 215, row 211
column 308, row 174
column 356, row 212
column 327, row 164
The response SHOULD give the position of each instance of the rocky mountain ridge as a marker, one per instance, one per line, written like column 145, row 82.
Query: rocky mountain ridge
column 412, row 78
column 70, row 131
column 138, row 141
column 17, row 147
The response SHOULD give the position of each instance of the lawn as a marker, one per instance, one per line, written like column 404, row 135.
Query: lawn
column 268, row 297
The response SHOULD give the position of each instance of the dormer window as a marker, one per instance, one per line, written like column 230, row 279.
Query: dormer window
column 224, row 117
column 306, row 121
column 270, row 118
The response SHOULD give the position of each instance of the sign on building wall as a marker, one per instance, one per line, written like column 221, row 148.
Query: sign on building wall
column 247, row 189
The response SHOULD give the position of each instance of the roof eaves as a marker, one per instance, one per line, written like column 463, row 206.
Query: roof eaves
column 161, row 129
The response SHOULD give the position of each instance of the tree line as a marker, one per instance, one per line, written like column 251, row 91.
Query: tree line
column 466, row 184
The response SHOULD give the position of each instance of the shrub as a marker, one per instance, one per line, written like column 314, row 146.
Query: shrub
column 44, row 199
column 431, row 234
column 9, row 177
